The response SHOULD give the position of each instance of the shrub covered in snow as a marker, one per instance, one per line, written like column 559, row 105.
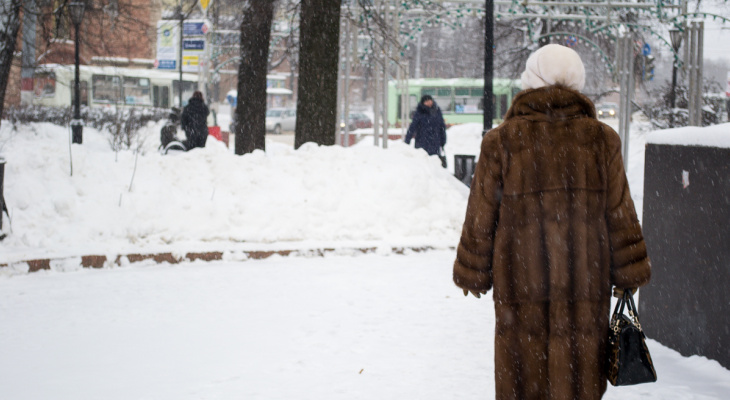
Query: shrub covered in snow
column 121, row 123
column 659, row 112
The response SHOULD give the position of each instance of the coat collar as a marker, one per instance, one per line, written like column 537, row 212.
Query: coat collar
column 549, row 103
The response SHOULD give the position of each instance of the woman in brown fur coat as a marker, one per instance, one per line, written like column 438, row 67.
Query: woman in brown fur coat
column 551, row 226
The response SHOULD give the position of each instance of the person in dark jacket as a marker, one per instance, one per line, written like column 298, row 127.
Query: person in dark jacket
column 169, row 131
column 193, row 121
column 428, row 127
column 551, row 227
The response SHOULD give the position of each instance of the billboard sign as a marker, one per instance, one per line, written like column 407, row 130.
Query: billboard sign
column 195, row 28
column 167, row 64
column 167, row 41
column 194, row 44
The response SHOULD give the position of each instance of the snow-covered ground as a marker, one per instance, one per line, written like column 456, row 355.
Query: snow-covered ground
column 346, row 326
column 353, row 327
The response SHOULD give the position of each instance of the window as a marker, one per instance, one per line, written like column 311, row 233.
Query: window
column 44, row 84
column 137, row 91
column 106, row 89
column 274, row 83
column 273, row 113
column 160, row 96
column 468, row 100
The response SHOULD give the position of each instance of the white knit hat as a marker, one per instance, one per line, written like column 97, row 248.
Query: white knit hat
column 554, row 65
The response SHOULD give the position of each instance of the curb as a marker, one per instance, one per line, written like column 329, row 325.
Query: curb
column 99, row 261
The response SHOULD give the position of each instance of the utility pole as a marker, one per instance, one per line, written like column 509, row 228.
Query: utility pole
column 180, row 86
column 417, row 73
column 626, row 81
column 346, row 94
column 488, row 65
column 389, row 21
column 694, row 66
column 28, row 56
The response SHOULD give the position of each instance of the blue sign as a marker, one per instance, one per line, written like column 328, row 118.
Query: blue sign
column 194, row 29
column 166, row 64
column 646, row 50
column 193, row 44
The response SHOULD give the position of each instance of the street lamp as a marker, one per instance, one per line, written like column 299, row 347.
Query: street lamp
column 76, row 9
column 676, row 37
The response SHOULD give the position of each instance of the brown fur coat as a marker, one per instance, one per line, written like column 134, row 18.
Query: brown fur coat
column 551, row 226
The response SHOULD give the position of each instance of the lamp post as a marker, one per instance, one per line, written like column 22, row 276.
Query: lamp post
column 676, row 37
column 76, row 9
column 488, row 102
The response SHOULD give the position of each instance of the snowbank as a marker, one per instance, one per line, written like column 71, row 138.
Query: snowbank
column 710, row 136
column 209, row 198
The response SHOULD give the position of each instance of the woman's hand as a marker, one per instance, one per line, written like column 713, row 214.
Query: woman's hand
column 619, row 293
column 475, row 293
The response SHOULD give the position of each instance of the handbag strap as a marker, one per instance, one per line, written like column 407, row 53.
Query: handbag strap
column 627, row 301
column 620, row 304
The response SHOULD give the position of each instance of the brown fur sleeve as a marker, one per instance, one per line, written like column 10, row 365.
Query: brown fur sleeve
column 630, row 266
column 473, row 265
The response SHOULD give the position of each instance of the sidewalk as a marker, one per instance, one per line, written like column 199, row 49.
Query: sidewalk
column 389, row 327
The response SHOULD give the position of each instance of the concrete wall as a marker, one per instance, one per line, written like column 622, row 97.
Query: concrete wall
column 686, row 306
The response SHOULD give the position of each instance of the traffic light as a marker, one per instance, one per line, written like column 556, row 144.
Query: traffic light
column 648, row 68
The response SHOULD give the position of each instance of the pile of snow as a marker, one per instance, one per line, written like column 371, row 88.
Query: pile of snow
column 210, row 198
column 710, row 136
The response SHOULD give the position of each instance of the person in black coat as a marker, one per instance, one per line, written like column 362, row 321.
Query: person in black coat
column 428, row 127
column 194, row 121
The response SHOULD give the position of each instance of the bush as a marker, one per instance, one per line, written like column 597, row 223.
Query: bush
column 121, row 123
column 660, row 111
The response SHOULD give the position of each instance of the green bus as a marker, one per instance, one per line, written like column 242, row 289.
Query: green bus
column 460, row 99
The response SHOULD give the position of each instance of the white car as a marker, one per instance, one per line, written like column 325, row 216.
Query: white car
column 281, row 119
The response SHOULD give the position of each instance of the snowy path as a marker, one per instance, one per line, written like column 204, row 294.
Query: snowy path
column 365, row 327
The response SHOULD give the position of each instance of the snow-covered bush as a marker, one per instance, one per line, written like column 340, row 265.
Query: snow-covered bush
column 121, row 123
column 659, row 112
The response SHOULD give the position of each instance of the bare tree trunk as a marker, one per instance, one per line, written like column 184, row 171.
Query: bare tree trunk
column 250, row 124
column 318, row 61
column 9, row 27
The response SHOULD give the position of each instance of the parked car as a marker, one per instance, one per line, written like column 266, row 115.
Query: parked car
column 281, row 119
column 607, row 110
column 357, row 121
column 360, row 121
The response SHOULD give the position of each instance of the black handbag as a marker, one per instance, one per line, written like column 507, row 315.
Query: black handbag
column 629, row 361
column 442, row 157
